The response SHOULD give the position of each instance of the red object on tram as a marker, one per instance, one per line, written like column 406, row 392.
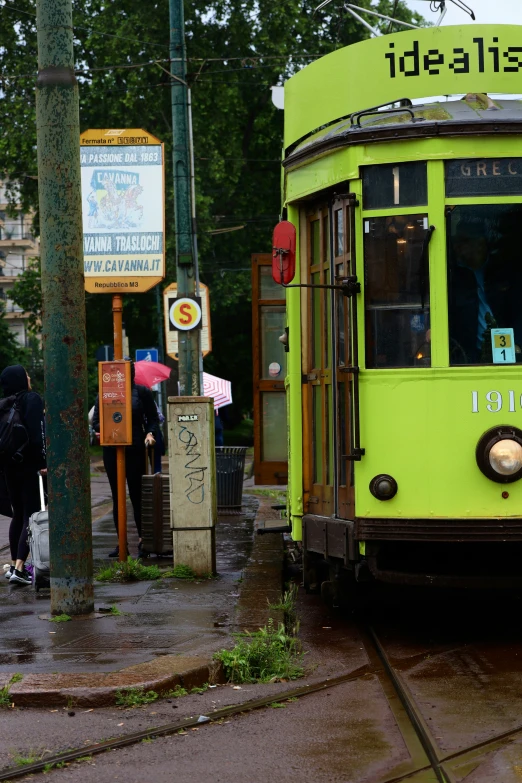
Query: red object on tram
column 283, row 253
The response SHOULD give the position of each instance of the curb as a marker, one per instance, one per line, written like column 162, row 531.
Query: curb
column 78, row 690
column 262, row 584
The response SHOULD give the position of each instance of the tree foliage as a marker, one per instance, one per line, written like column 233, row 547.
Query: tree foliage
column 11, row 352
column 237, row 52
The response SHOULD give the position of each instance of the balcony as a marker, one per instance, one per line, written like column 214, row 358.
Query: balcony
column 25, row 241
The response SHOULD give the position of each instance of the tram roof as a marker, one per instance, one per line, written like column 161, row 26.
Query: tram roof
column 413, row 64
column 476, row 111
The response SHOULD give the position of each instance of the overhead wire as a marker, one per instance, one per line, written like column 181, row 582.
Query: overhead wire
column 131, row 66
column 250, row 56
column 13, row 8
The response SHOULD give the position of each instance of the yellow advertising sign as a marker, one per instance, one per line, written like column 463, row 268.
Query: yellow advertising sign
column 183, row 314
column 123, row 207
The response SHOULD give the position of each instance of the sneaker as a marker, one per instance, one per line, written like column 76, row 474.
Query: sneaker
column 8, row 572
column 20, row 577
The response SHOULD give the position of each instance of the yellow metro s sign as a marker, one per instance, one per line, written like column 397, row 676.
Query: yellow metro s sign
column 411, row 64
column 185, row 314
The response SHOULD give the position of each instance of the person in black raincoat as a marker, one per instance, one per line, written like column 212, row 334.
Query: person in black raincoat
column 145, row 429
column 22, row 478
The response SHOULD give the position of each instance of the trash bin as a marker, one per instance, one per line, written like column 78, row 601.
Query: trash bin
column 230, row 469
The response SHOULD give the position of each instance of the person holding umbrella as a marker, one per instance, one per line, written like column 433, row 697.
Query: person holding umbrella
column 145, row 431
column 149, row 374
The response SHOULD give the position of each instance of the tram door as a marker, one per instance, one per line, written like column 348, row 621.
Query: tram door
column 326, row 359
column 318, row 408
column 343, row 241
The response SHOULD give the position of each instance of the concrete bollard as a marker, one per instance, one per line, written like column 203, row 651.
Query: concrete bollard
column 192, row 469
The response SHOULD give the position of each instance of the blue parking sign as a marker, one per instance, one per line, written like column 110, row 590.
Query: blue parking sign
column 146, row 354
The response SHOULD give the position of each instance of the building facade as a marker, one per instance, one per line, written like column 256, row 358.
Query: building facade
column 18, row 250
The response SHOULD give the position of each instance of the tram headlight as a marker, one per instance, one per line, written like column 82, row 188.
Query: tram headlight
column 383, row 487
column 499, row 454
column 505, row 456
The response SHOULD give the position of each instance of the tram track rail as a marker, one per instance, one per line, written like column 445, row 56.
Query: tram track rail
column 424, row 754
column 167, row 729
column 439, row 761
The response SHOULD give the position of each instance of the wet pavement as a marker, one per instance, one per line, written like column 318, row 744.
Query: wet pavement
column 158, row 618
column 424, row 685
column 454, row 714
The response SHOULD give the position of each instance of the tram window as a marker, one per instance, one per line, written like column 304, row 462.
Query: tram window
column 396, row 292
column 316, row 241
column 317, row 295
column 317, row 434
column 395, row 185
column 341, row 321
column 339, row 233
column 484, row 279
column 342, row 432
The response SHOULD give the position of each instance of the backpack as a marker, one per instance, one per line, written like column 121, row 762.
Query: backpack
column 13, row 434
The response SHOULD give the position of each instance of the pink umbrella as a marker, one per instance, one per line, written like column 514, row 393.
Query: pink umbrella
column 217, row 388
column 150, row 373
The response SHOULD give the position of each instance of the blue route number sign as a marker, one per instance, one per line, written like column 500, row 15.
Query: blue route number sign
column 503, row 345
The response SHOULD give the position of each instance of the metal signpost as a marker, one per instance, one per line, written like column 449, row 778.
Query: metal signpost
column 123, row 205
column 181, row 316
column 63, row 333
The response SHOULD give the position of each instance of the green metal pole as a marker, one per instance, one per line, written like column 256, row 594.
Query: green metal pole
column 63, row 333
column 189, row 341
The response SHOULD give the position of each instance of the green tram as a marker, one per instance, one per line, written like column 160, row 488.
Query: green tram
column 404, row 381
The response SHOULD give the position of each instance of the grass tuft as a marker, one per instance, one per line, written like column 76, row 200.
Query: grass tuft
column 201, row 689
column 175, row 693
column 181, row 571
column 5, row 697
column 128, row 571
column 287, row 600
column 17, row 677
column 60, row 618
column 135, row 697
column 24, row 761
column 269, row 654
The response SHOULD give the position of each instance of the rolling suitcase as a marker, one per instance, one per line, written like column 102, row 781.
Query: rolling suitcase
column 156, row 534
column 39, row 544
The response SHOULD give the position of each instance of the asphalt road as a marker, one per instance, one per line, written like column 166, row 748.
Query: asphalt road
column 457, row 659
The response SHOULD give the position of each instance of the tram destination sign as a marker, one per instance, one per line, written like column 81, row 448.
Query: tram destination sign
column 484, row 177
column 123, row 208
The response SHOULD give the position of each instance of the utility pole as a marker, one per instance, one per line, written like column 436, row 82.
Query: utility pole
column 189, row 341
column 63, row 333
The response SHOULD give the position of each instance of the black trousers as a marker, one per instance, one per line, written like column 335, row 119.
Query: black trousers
column 24, row 494
column 134, row 469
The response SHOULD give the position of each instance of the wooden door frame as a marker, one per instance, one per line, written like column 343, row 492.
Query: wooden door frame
column 265, row 472
column 318, row 497
column 328, row 499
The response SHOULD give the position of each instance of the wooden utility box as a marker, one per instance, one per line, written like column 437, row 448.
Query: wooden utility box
column 115, row 401
column 192, row 469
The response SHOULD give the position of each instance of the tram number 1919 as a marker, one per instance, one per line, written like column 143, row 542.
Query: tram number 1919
column 494, row 401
